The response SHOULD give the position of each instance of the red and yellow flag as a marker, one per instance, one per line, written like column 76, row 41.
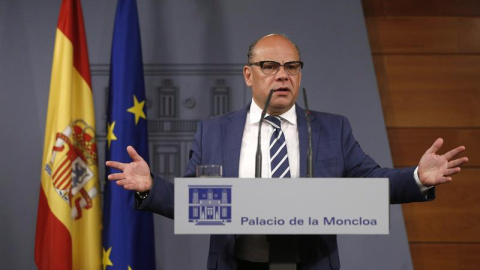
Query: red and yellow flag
column 69, row 218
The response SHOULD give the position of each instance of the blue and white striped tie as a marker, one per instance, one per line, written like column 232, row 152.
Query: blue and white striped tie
column 279, row 165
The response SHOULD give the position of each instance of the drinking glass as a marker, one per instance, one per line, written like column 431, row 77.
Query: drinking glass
column 209, row 170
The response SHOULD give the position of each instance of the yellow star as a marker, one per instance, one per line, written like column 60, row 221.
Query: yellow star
column 129, row 268
column 106, row 258
column 137, row 109
column 110, row 135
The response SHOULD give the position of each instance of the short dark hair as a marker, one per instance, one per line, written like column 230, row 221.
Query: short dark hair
column 252, row 46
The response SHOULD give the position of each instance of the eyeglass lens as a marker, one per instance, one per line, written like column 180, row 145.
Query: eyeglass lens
column 272, row 67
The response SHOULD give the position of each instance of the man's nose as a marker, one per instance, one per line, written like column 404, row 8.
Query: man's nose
column 281, row 74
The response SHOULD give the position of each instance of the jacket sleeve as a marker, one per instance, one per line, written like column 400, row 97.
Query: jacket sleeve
column 160, row 200
column 403, row 188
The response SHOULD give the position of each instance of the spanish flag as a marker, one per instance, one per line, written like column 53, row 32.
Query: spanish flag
column 69, row 217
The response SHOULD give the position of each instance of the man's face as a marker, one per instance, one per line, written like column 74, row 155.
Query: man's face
column 279, row 49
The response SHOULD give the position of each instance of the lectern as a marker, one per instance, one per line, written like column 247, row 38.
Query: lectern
column 292, row 206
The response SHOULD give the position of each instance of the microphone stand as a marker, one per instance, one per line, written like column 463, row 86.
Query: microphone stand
column 309, row 130
column 282, row 249
column 258, row 156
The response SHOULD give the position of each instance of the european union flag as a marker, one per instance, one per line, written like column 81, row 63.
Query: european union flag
column 128, row 237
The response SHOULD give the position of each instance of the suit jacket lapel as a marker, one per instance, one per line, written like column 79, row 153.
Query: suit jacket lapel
column 232, row 134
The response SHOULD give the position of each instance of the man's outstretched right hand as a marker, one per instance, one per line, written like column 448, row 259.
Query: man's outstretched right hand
column 134, row 175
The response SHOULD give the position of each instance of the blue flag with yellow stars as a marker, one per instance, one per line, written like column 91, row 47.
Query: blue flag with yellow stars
column 128, row 237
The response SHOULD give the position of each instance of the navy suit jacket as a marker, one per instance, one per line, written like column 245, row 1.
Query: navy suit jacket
column 336, row 153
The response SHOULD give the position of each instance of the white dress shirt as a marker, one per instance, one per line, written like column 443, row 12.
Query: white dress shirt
column 249, row 143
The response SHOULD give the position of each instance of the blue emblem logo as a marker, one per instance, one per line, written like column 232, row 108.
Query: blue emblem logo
column 210, row 205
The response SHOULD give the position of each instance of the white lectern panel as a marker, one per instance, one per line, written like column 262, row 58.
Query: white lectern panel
column 281, row 206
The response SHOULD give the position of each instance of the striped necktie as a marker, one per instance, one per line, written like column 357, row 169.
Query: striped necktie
column 279, row 165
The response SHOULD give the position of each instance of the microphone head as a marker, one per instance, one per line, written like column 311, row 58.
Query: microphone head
column 305, row 100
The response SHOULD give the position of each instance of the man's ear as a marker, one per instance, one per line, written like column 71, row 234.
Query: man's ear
column 247, row 75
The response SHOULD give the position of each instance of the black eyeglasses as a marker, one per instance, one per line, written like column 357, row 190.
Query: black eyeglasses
column 272, row 67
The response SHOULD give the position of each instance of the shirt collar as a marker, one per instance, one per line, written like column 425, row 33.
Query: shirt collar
column 256, row 113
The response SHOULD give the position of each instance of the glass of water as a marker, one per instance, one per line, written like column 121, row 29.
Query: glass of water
column 209, row 171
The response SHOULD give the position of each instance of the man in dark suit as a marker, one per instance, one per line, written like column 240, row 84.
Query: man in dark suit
column 230, row 140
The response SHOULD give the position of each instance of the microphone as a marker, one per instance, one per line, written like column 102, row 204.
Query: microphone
column 309, row 130
column 258, row 156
